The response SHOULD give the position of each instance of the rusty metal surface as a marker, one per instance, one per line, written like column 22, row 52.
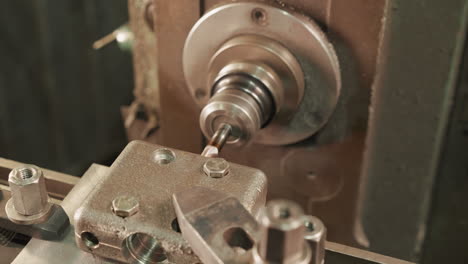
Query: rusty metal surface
column 151, row 174
column 179, row 116
column 141, row 118
column 355, row 36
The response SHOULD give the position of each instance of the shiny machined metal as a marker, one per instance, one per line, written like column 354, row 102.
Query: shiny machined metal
column 217, row 142
column 240, row 101
column 282, row 227
column 284, row 50
column 316, row 236
column 29, row 203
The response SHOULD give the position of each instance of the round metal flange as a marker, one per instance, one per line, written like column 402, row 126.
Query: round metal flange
column 215, row 34
column 18, row 218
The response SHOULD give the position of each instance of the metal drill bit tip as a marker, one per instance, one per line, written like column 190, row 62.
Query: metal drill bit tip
column 218, row 140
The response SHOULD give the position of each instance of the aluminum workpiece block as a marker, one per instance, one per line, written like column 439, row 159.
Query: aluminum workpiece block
column 151, row 174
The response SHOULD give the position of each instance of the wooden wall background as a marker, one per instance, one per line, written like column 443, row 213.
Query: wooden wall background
column 60, row 99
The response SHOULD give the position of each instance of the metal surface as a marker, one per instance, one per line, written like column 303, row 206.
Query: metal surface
column 125, row 206
column 282, row 234
column 51, row 228
column 29, row 203
column 316, row 235
column 6, row 236
column 173, row 100
column 142, row 173
column 447, row 227
column 65, row 250
column 341, row 254
column 216, row 225
column 411, row 103
column 58, row 184
column 216, row 167
column 298, row 34
column 236, row 108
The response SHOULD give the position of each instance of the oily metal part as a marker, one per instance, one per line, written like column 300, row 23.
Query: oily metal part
column 152, row 174
column 296, row 32
column 216, row 225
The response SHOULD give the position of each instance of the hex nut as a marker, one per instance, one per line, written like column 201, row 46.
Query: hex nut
column 28, row 190
column 216, row 167
column 125, row 206
column 316, row 235
column 282, row 224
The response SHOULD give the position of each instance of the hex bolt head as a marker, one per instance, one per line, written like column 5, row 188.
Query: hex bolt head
column 125, row 206
column 28, row 190
column 216, row 167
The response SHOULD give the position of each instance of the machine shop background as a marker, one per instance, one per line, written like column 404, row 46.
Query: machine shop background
column 60, row 102
column 59, row 98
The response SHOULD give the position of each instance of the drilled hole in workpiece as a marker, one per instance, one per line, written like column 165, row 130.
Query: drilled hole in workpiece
column 310, row 227
column 143, row 248
column 26, row 173
column 90, row 240
column 238, row 239
column 164, row 156
column 175, row 225
column 259, row 16
column 281, row 213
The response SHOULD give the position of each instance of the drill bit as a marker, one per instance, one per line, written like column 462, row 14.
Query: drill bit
column 217, row 142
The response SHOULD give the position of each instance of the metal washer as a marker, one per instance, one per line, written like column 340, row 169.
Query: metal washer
column 295, row 31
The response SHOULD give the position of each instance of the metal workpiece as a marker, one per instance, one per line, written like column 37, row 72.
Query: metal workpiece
column 315, row 235
column 29, row 203
column 283, row 50
column 151, row 174
column 216, row 225
column 282, row 228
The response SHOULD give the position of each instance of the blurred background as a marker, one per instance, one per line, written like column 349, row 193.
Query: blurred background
column 59, row 98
